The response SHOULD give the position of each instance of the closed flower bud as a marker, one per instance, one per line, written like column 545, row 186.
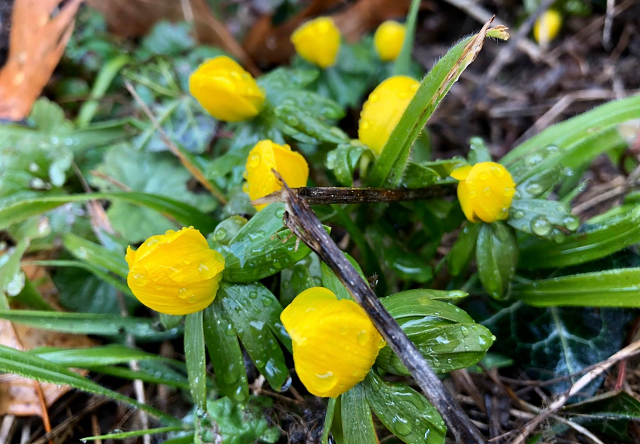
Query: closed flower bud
column 267, row 156
column 317, row 41
column 485, row 191
column 226, row 91
column 383, row 109
column 547, row 26
column 175, row 273
column 334, row 341
column 388, row 40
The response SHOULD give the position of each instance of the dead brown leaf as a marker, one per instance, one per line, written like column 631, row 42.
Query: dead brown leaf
column 135, row 18
column 269, row 45
column 40, row 30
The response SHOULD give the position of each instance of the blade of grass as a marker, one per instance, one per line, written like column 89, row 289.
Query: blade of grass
column 403, row 62
column 135, row 433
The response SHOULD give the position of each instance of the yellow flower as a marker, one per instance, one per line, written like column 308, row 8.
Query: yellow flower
column 485, row 191
column 226, row 91
column 547, row 26
column 383, row 110
column 388, row 40
column 334, row 341
column 175, row 273
column 317, row 41
column 266, row 156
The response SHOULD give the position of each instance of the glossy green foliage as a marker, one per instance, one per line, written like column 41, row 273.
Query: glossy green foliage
column 445, row 335
column 497, row 257
column 357, row 424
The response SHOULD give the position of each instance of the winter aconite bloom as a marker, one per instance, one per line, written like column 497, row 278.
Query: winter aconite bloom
column 485, row 191
column 388, row 40
column 226, row 91
column 317, row 41
column 383, row 109
column 334, row 341
column 267, row 156
column 547, row 26
column 175, row 273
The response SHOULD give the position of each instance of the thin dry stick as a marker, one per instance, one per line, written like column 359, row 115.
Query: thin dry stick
column 598, row 369
column 345, row 195
column 303, row 222
column 173, row 148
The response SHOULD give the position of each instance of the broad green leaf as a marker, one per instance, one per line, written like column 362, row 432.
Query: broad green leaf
column 594, row 242
column 331, row 281
column 570, row 136
column 228, row 228
column 478, row 151
column 168, row 39
column 16, row 208
column 34, row 367
column 497, row 257
column 543, row 218
column 405, row 412
column 304, row 127
column 170, row 321
column 344, row 160
column 462, row 250
column 151, row 173
column 225, row 353
column 445, row 335
column 294, row 281
column 96, row 254
column 262, row 248
column 419, row 176
column 357, row 422
column 285, row 79
column 136, row 433
column 315, row 104
column 610, row 288
column 254, row 313
column 389, row 167
column 196, row 359
column 142, row 329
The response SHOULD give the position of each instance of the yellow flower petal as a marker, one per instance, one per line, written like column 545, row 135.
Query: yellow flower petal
column 383, row 110
column 334, row 341
column 485, row 191
column 226, row 91
column 175, row 273
column 267, row 156
column 547, row 26
column 388, row 40
column 317, row 41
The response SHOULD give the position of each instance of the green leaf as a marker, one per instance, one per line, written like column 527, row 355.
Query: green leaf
column 259, row 249
column 328, row 420
column 316, row 105
column 228, row 229
column 478, row 151
column 401, row 66
column 594, row 242
column 96, row 254
column 610, row 413
column 170, row 321
column 389, row 167
column 331, row 281
column 571, row 136
column 445, row 335
column 304, row 127
column 168, row 39
column 357, row 422
column 19, row 207
column 94, row 356
column 462, row 250
column 254, row 313
column 405, row 412
column 293, row 281
column 543, row 218
column 497, row 257
column 34, row 367
column 283, row 79
column 135, row 433
column 154, row 374
column 225, row 353
column 419, row 176
column 150, row 173
column 196, row 359
column 90, row 324
column 12, row 278
column 610, row 288
column 344, row 160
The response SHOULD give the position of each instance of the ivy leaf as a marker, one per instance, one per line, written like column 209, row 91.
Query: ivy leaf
column 153, row 173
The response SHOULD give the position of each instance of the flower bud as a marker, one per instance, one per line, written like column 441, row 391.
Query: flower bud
column 175, row 273
column 226, row 91
column 383, row 109
column 267, row 156
column 485, row 191
column 317, row 41
column 334, row 341
column 388, row 40
column 547, row 26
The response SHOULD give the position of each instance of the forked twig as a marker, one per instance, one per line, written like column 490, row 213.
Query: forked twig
column 345, row 195
column 303, row 222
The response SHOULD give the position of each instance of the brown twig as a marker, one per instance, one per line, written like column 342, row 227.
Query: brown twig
column 345, row 195
column 303, row 222
column 174, row 149
column 598, row 369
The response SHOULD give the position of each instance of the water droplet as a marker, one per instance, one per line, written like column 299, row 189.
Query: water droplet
column 286, row 385
column 229, row 377
column 517, row 214
column 151, row 242
column 33, row 167
column 484, row 176
column 266, row 301
column 508, row 192
column 571, row 223
column 486, row 191
column 253, row 294
column 557, row 236
column 239, row 395
column 220, row 234
column 363, row 338
column 254, row 161
column 540, row 226
column 534, row 189
column 292, row 120
column 401, row 426
column 364, row 124
column 183, row 293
